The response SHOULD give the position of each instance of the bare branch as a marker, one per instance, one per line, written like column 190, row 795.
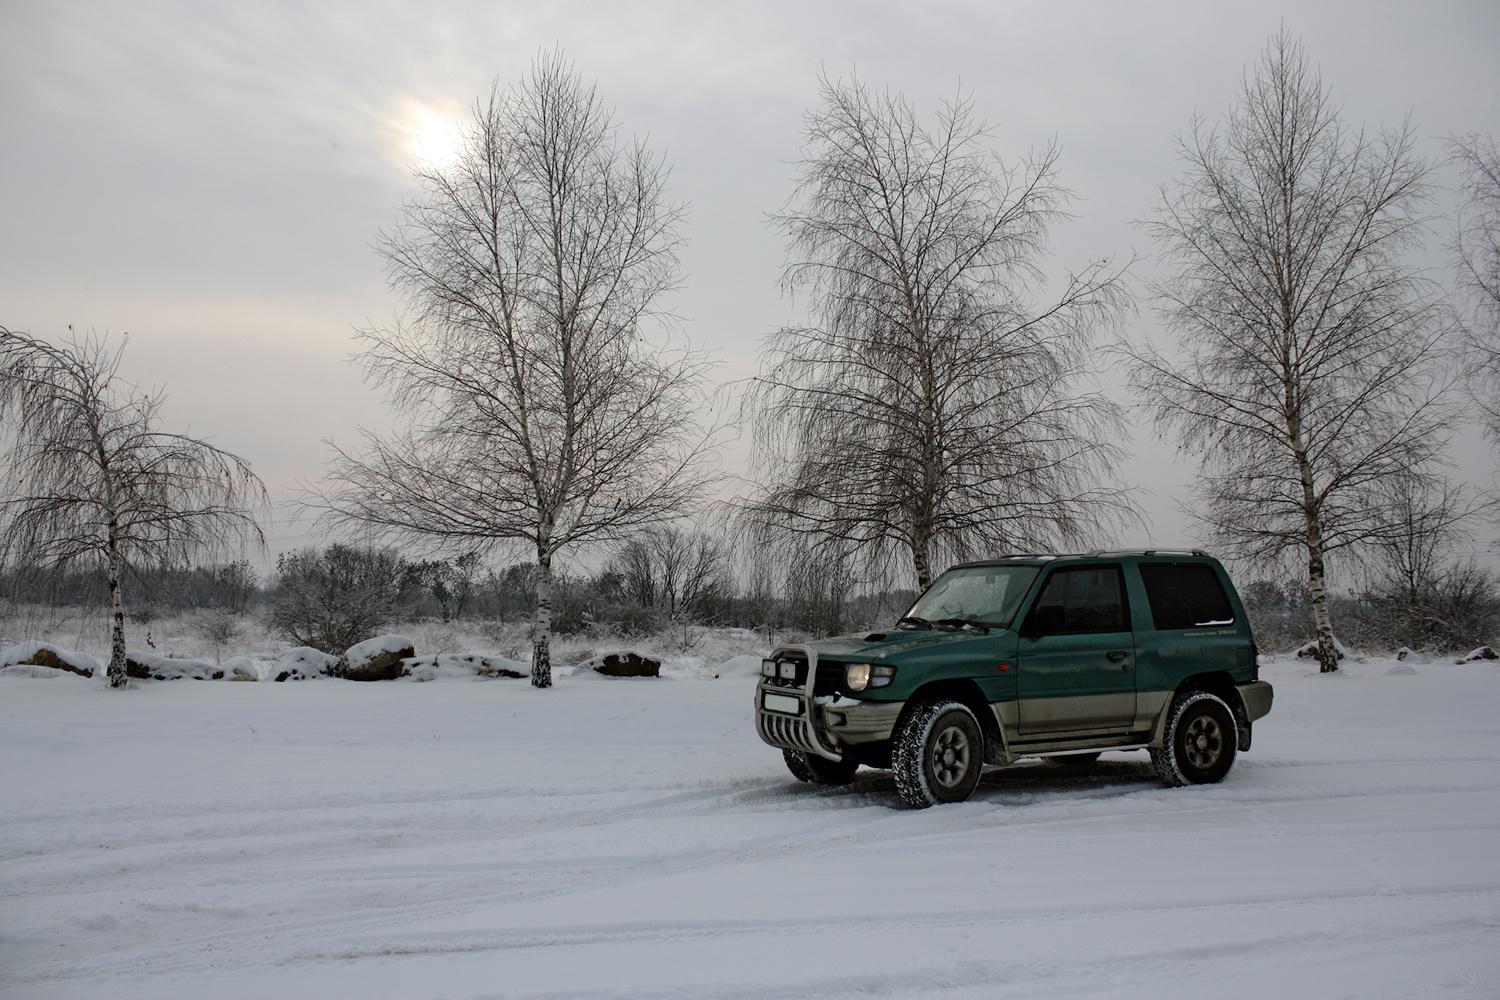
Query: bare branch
column 1314, row 364
column 538, row 412
column 934, row 412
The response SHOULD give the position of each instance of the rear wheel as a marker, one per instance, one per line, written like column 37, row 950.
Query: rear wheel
column 819, row 770
column 1199, row 744
column 938, row 754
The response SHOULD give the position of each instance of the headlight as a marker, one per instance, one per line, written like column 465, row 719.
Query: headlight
column 857, row 676
column 768, row 668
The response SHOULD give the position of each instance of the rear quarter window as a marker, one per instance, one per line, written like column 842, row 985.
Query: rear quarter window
column 1183, row 595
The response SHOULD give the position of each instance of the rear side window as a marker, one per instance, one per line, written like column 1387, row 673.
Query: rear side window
column 1087, row 599
column 1183, row 595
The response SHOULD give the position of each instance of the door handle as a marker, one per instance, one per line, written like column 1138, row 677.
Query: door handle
column 1116, row 655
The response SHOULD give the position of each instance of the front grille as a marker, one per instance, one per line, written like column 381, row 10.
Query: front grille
column 830, row 676
column 797, row 732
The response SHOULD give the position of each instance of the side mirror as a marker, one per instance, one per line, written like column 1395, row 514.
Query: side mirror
column 1051, row 618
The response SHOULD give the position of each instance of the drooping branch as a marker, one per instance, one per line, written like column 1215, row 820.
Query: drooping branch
column 933, row 411
column 89, row 476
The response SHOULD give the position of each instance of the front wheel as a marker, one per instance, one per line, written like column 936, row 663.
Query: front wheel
column 1199, row 744
column 818, row 769
column 939, row 754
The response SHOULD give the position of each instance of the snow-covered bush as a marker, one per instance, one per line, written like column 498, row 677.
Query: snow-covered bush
column 337, row 597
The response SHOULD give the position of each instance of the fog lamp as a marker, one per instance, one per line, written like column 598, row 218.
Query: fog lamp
column 768, row 668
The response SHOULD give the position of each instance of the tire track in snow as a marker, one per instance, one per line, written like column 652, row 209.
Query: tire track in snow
column 197, row 954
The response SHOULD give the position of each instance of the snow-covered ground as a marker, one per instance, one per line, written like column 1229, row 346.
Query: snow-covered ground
column 616, row 838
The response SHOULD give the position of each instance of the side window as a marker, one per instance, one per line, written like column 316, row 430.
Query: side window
column 1183, row 595
column 1087, row 599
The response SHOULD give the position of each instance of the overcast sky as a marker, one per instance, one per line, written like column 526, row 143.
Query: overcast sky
column 209, row 177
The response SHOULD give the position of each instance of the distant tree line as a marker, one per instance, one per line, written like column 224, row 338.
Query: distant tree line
column 664, row 579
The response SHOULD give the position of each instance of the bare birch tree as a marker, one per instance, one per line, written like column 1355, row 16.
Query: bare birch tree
column 1476, row 249
column 1311, row 367
column 933, row 411
column 89, row 477
column 538, row 412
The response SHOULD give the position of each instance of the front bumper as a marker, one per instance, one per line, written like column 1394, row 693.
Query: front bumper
column 793, row 718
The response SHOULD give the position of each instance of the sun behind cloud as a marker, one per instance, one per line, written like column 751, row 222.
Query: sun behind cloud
column 437, row 142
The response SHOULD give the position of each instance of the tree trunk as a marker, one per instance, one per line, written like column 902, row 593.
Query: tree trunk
column 921, row 539
column 541, row 625
column 117, row 616
column 1328, row 657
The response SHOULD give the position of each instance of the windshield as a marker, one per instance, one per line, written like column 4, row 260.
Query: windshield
column 982, row 594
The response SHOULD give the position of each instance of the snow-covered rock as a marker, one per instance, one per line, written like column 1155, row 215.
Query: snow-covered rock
column 149, row 666
column 303, row 662
column 744, row 665
column 461, row 665
column 377, row 659
column 44, row 654
column 624, row 663
column 241, row 668
column 1402, row 670
column 1408, row 655
column 1482, row 653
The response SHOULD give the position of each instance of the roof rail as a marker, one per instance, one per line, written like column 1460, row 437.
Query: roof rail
column 1097, row 553
column 1039, row 555
column 1146, row 552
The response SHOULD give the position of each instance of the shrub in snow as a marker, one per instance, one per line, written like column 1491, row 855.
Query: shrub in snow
column 377, row 659
column 148, row 666
column 302, row 662
column 1482, row 653
column 625, row 663
column 44, row 654
column 333, row 598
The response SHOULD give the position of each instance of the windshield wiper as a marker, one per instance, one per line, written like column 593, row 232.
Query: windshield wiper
column 914, row 621
column 968, row 623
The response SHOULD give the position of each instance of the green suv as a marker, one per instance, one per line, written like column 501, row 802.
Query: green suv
column 1057, row 656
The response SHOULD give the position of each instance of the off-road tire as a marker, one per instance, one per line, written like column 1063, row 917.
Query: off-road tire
column 1199, row 744
column 818, row 769
column 796, row 762
column 938, row 754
